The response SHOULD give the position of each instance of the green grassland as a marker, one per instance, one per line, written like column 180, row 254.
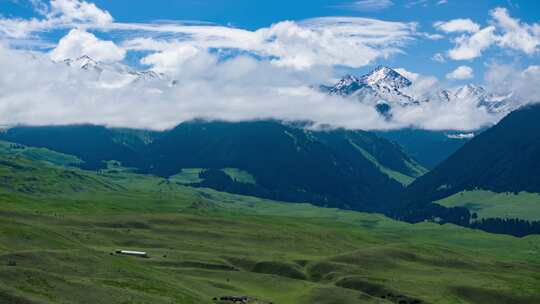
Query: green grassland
column 38, row 154
column 240, row 175
column 401, row 178
column 489, row 204
column 191, row 176
column 58, row 228
column 187, row 176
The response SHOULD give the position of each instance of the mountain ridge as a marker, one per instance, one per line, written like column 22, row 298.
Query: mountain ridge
column 332, row 167
column 504, row 158
column 386, row 86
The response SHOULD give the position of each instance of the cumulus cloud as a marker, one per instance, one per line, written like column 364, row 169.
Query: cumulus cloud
column 461, row 73
column 77, row 43
column 463, row 116
column 438, row 57
column 220, row 73
column 505, row 32
column 458, row 25
column 78, row 11
column 422, row 85
column 237, row 89
column 515, row 34
column 504, row 78
column 58, row 14
column 470, row 47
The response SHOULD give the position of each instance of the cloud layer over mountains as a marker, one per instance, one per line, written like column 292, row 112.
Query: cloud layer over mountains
column 225, row 73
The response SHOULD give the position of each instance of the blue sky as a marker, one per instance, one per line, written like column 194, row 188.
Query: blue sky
column 253, row 15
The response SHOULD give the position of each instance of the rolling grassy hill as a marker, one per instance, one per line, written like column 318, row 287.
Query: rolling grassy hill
column 56, row 245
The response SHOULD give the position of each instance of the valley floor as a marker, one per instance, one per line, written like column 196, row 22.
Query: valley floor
column 488, row 204
column 57, row 247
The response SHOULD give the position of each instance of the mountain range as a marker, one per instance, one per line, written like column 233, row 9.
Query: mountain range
column 116, row 74
column 331, row 168
column 381, row 171
column 385, row 89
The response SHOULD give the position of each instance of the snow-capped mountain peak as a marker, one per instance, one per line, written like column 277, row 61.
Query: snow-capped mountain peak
column 386, row 88
column 348, row 80
column 381, row 86
column 386, row 77
column 382, row 80
column 470, row 91
column 84, row 62
column 147, row 75
column 345, row 86
column 115, row 74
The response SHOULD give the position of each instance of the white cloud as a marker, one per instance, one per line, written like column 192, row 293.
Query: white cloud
column 470, row 47
column 422, row 85
column 461, row 115
column 515, row 34
column 458, row 25
column 368, row 5
column 504, row 78
column 407, row 74
column 237, row 89
column 292, row 57
column 461, row 73
column 77, row 43
column 438, row 57
column 353, row 42
column 347, row 41
column 505, row 32
column 59, row 14
column 78, row 11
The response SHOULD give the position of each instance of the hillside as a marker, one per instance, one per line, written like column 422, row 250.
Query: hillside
column 92, row 144
column 489, row 183
column 57, row 247
column 505, row 158
column 337, row 168
column 351, row 170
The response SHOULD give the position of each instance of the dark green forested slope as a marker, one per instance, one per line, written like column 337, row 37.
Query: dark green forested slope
column 338, row 168
column 347, row 169
column 505, row 158
column 92, row 144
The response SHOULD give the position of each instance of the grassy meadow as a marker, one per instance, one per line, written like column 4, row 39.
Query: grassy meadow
column 60, row 226
column 489, row 204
